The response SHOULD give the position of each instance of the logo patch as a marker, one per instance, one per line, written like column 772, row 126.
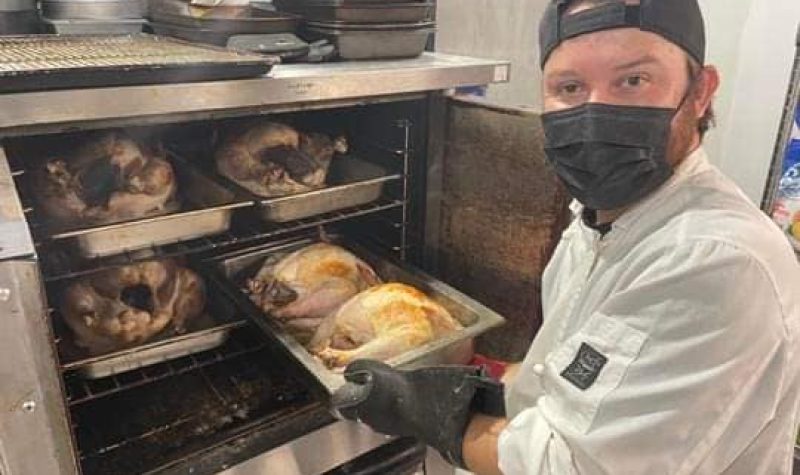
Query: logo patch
column 585, row 368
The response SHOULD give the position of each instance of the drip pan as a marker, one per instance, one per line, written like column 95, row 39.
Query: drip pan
column 457, row 348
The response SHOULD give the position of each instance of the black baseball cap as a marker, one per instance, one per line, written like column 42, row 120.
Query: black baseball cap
column 679, row 21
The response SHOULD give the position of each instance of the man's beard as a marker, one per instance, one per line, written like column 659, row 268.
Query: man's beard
column 682, row 136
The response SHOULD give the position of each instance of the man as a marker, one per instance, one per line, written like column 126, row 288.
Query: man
column 672, row 304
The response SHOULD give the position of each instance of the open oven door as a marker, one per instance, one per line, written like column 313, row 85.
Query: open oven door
column 495, row 211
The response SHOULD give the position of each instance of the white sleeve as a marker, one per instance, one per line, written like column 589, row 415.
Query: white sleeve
column 691, row 354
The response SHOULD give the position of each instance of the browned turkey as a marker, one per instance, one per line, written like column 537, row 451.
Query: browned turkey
column 380, row 323
column 302, row 288
column 109, row 178
column 272, row 159
column 128, row 305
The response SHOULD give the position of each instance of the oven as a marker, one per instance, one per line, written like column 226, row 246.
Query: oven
column 451, row 186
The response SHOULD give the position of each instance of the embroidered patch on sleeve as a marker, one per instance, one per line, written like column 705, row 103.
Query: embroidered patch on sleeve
column 585, row 368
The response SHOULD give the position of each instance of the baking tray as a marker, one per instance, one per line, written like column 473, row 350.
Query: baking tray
column 352, row 181
column 457, row 348
column 231, row 20
column 208, row 206
column 359, row 13
column 46, row 62
column 359, row 42
column 208, row 331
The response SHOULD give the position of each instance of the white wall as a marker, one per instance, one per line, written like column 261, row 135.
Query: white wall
column 751, row 41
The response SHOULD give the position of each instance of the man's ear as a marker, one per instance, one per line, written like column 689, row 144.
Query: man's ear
column 706, row 87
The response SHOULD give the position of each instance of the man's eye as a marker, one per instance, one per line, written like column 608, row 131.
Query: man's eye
column 569, row 89
column 635, row 80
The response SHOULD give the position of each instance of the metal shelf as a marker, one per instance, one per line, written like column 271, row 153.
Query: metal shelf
column 287, row 87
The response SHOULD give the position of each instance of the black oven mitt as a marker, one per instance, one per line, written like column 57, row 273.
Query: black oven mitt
column 432, row 404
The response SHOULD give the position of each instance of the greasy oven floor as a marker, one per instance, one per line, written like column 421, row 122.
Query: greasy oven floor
column 144, row 420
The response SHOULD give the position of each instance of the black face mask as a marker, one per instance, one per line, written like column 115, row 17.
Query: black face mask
column 609, row 156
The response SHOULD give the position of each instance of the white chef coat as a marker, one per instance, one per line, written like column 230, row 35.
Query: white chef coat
column 690, row 308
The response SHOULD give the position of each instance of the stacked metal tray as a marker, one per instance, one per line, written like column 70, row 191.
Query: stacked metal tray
column 358, row 12
column 234, row 269
column 44, row 62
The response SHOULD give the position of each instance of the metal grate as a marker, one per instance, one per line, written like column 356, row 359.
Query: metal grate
column 80, row 390
column 57, row 52
column 138, row 431
column 59, row 263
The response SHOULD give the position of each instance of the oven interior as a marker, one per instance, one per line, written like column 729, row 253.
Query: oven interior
column 246, row 395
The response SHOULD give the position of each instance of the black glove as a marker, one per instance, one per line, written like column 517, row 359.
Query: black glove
column 432, row 404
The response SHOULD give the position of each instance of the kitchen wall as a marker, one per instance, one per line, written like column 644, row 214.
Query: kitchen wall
column 751, row 41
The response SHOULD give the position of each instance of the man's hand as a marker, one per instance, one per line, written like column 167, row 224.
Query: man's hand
column 432, row 404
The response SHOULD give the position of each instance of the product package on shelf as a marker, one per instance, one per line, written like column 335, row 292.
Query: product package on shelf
column 787, row 205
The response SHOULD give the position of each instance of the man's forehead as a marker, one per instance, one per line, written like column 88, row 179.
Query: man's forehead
column 615, row 49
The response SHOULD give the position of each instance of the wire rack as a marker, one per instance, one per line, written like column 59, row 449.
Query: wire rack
column 80, row 390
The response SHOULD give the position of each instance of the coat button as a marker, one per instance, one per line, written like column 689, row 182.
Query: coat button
column 538, row 369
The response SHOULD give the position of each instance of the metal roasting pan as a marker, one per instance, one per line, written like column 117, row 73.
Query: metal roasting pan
column 352, row 181
column 361, row 42
column 457, row 348
column 209, row 206
column 208, row 331
column 408, row 12
column 230, row 20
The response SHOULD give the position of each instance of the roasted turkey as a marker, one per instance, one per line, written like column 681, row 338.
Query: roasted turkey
column 303, row 288
column 109, row 178
column 128, row 305
column 380, row 323
column 272, row 159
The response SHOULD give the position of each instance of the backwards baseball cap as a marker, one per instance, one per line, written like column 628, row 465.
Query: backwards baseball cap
column 679, row 21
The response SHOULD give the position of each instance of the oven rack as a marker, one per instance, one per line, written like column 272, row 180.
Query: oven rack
column 79, row 390
column 58, row 263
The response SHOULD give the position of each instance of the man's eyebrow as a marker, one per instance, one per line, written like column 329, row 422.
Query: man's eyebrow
column 644, row 60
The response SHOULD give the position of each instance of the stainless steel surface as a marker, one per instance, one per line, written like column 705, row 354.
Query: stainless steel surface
column 454, row 348
column 157, row 352
column 94, row 10
column 15, row 237
column 314, row 453
column 288, row 86
column 94, row 27
column 34, row 432
column 352, row 182
column 360, row 44
column 209, row 207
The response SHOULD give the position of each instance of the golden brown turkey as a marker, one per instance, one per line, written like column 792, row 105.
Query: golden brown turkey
column 380, row 323
column 128, row 305
column 109, row 178
column 303, row 288
column 272, row 159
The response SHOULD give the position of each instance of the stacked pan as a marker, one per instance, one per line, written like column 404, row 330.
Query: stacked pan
column 94, row 16
column 19, row 17
column 366, row 29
